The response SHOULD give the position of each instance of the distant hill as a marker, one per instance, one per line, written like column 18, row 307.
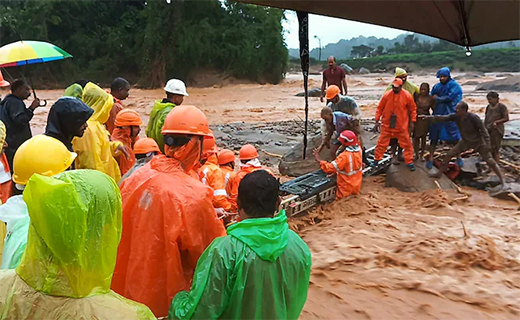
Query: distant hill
column 342, row 49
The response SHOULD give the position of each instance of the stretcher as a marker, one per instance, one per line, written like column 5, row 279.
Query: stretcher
column 307, row 191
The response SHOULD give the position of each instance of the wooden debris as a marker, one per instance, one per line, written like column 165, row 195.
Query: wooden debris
column 272, row 154
column 374, row 136
column 514, row 166
column 464, row 229
column 438, row 185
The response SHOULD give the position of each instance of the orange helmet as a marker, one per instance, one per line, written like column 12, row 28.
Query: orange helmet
column 226, row 156
column 143, row 146
column 348, row 138
column 332, row 92
column 128, row 117
column 3, row 82
column 209, row 145
column 188, row 120
column 248, row 152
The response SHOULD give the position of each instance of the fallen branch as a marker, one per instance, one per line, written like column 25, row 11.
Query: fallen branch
column 272, row 154
column 459, row 190
column 464, row 229
column 514, row 166
column 465, row 197
column 374, row 136
column 438, row 185
column 512, row 195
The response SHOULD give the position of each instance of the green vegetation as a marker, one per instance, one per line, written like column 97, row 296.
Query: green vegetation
column 149, row 42
column 485, row 60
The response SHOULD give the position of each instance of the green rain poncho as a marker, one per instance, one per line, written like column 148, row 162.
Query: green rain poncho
column 260, row 270
column 160, row 110
column 66, row 269
column 74, row 90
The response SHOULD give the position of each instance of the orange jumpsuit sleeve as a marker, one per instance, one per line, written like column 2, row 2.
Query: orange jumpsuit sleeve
column 381, row 107
column 339, row 163
column 217, row 181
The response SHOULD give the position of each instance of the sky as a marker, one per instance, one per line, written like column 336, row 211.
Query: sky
column 331, row 30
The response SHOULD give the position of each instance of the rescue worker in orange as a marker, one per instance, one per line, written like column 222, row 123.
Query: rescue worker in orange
column 144, row 150
column 168, row 217
column 6, row 183
column 127, row 130
column 396, row 109
column 226, row 162
column 120, row 90
column 249, row 162
column 211, row 175
column 348, row 165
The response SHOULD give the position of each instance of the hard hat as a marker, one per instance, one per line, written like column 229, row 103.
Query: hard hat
column 43, row 155
column 3, row 82
column 209, row 145
column 226, row 156
column 176, row 86
column 348, row 138
column 128, row 117
column 397, row 82
column 3, row 134
column 188, row 120
column 248, row 152
column 332, row 92
column 143, row 146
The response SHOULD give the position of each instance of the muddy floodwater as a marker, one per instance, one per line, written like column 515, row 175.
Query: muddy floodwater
column 383, row 254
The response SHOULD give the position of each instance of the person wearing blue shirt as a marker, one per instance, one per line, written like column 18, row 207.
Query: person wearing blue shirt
column 447, row 93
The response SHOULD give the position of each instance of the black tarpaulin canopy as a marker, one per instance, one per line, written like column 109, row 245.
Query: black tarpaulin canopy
column 464, row 22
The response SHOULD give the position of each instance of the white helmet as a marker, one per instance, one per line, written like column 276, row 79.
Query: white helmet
column 176, row 86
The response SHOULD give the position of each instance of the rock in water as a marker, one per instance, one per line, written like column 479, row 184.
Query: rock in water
column 507, row 84
column 363, row 70
column 292, row 164
column 503, row 192
column 346, row 67
column 401, row 178
column 314, row 92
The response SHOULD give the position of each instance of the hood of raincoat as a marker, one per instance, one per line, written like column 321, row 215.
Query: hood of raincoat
column 188, row 155
column 99, row 100
column 65, row 118
column 267, row 237
column 400, row 72
column 444, row 72
column 159, row 105
column 74, row 90
column 74, row 233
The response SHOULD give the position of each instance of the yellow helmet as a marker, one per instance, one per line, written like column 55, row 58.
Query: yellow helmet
column 43, row 155
column 2, row 134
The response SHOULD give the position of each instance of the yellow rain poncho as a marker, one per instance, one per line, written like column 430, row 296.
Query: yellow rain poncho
column 411, row 87
column 94, row 149
column 67, row 267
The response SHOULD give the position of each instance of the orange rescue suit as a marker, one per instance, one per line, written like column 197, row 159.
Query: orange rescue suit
column 348, row 167
column 123, row 135
column 229, row 178
column 118, row 106
column 211, row 175
column 168, row 221
column 402, row 107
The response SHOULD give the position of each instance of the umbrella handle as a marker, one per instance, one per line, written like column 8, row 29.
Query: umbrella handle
column 43, row 103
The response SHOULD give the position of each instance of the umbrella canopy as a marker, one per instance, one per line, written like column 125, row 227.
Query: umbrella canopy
column 29, row 52
column 464, row 22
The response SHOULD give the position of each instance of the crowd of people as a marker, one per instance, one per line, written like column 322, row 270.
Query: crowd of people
column 98, row 221
column 103, row 224
column 404, row 121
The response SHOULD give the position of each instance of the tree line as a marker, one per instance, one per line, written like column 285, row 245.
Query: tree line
column 411, row 44
column 150, row 41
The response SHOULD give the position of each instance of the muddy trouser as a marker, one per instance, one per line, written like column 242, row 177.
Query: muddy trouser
column 403, row 138
column 496, row 140
column 461, row 146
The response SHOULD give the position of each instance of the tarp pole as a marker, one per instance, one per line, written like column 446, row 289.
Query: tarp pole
column 303, row 22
